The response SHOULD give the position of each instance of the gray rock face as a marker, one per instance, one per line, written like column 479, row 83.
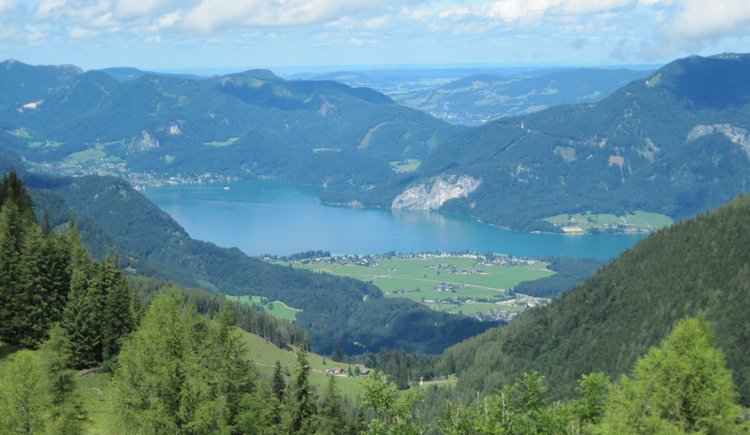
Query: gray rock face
column 735, row 134
column 443, row 189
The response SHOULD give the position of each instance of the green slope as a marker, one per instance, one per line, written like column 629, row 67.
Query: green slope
column 676, row 143
column 701, row 265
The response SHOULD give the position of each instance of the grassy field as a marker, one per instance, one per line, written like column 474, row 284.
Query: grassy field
column 265, row 355
column 408, row 165
column 407, row 275
column 86, row 155
column 280, row 310
column 641, row 220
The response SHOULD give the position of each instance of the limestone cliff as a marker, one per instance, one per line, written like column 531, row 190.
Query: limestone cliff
column 735, row 134
column 443, row 189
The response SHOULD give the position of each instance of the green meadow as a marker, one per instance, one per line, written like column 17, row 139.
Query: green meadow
column 642, row 220
column 277, row 309
column 408, row 275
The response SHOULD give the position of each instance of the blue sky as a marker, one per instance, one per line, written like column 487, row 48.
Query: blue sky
column 237, row 34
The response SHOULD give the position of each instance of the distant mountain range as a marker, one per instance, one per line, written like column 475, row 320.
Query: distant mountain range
column 675, row 143
column 239, row 125
column 479, row 98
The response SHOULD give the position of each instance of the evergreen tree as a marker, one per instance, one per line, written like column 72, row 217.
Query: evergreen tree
column 75, row 318
column 66, row 406
column 303, row 408
column 338, row 355
column 118, row 317
column 683, row 387
column 278, row 382
column 331, row 415
column 12, row 297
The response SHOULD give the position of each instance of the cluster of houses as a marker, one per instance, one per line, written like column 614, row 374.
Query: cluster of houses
column 340, row 371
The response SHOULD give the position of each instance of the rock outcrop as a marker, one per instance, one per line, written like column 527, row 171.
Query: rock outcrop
column 443, row 189
column 735, row 134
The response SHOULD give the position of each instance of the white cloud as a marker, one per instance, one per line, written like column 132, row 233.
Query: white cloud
column 356, row 41
column 455, row 11
column 77, row 32
column 7, row 5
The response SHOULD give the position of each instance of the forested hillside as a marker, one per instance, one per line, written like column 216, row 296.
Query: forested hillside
column 701, row 265
column 239, row 125
column 675, row 143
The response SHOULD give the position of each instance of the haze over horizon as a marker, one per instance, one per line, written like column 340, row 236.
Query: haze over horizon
column 241, row 34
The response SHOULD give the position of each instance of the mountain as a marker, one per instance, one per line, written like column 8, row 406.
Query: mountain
column 127, row 73
column 479, row 98
column 238, row 125
column 675, row 143
column 701, row 265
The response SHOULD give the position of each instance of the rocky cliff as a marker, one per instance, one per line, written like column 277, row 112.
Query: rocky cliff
column 443, row 189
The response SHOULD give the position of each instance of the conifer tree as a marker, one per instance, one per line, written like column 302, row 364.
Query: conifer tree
column 303, row 408
column 118, row 317
column 331, row 415
column 66, row 415
column 12, row 303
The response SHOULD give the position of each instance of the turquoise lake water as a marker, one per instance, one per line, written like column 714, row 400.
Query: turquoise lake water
column 269, row 217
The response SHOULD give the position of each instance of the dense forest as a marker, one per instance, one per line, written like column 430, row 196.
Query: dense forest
column 606, row 324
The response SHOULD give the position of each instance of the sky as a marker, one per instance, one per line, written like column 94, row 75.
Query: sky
column 241, row 34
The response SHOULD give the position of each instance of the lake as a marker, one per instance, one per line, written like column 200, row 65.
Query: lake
column 270, row 217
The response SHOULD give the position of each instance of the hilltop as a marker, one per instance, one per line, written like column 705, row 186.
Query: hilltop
column 675, row 143
column 240, row 125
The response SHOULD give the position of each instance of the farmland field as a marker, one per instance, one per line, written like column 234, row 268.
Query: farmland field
column 427, row 280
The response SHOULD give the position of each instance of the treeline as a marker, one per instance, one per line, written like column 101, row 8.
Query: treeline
column 570, row 273
column 681, row 387
column 276, row 331
column 48, row 278
column 178, row 372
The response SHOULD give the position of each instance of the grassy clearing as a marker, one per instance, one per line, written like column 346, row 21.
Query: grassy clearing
column 408, row 165
column 640, row 221
column 87, row 155
column 20, row 132
column 277, row 309
column 227, row 142
column 398, row 275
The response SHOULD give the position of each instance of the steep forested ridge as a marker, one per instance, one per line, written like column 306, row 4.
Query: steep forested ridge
column 701, row 265
column 675, row 143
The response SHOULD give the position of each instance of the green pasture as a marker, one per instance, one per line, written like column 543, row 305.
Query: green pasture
column 407, row 165
column 279, row 310
column 407, row 274
column 86, row 155
column 264, row 356
column 641, row 219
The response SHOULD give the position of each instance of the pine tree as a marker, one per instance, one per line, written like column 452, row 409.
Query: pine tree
column 75, row 318
column 331, row 415
column 12, row 299
column 66, row 406
column 303, row 407
column 278, row 382
column 118, row 317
